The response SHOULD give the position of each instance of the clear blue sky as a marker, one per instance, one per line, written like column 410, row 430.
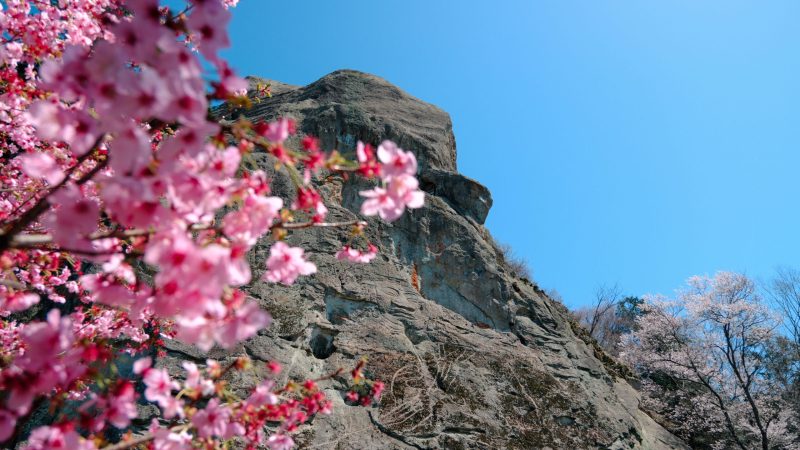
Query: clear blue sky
column 629, row 142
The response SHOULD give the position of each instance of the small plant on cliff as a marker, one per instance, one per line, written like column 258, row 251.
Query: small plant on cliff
column 109, row 163
column 518, row 265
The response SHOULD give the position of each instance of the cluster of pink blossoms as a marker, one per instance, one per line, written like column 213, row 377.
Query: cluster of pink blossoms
column 400, row 186
column 110, row 162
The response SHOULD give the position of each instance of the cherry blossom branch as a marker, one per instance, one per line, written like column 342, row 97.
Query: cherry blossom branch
column 145, row 438
column 36, row 241
column 168, row 157
column 41, row 206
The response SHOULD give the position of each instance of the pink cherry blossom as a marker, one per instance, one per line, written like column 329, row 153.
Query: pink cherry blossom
column 280, row 441
column 148, row 91
column 187, row 106
column 211, row 268
column 274, row 367
column 395, row 161
column 389, row 203
column 192, row 374
column 195, row 381
column 197, row 330
column 262, row 395
column 74, row 218
column 18, row 301
column 195, row 196
column 308, row 199
column 133, row 202
column 253, row 220
column 12, row 53
column 350, row 254
column 186, row 142
column 171, row 408
column 78, row 129
column 368, row 165
column 46, row 118
column 121, row 407
column 238, row 268
column 170, row 250
column 212, row 420
column 222, row 164
column 135, row 37
column 106, row 290
column 45, row 340
column 165, row 439
column 159, row 386
column 43, row 166
column 141, row 365
column 379, row 202
column 208, row 24
column 229, row 84
column 404, row 189
column 53, row 438
column 286, row 263
column 245, row 322
column 278, row 131
column 7, row 423
column 130, row 150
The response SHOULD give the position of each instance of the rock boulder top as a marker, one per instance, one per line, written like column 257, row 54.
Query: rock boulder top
column 346, row 106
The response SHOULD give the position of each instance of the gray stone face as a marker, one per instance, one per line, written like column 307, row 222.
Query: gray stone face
column 472, row 356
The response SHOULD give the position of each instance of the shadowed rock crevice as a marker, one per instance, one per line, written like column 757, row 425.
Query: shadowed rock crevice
column 321, row 343
column 339, row 308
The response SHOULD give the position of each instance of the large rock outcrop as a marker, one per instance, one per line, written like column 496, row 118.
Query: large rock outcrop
column 473, row 356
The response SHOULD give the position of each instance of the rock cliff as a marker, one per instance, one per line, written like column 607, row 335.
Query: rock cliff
column 473, row 357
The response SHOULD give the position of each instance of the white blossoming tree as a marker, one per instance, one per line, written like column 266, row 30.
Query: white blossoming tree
column 709, row 347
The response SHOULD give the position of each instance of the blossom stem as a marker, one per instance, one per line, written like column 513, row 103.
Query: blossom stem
column 35, row 241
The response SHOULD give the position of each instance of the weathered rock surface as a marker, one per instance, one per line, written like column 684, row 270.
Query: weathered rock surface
column 473, row 357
